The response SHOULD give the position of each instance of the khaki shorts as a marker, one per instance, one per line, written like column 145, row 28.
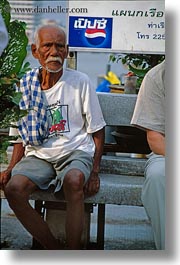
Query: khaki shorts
column 44, row 174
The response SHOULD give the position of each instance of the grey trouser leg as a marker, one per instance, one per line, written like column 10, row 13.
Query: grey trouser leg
column 153, row 197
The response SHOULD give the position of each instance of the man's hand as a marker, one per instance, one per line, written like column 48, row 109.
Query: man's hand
column 18, row 153
column 92, row 185
column 4, row 178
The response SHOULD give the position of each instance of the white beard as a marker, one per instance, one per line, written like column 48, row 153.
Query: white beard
column 53, row 71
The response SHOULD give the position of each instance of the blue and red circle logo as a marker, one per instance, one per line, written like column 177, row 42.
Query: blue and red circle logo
column 90, row 32
column 95, row 36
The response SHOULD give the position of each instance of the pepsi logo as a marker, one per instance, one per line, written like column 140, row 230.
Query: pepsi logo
column 95, row 36
column 90, row 32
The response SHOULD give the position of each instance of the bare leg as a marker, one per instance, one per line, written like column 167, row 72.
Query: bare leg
column 73, row 189
column 17, row 192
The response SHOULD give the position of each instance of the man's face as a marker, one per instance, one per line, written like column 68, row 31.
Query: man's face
column 51, row 49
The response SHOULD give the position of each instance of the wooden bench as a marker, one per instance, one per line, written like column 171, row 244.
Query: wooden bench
column 121, row 177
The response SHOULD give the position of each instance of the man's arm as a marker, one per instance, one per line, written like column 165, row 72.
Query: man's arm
column 92, row 186
column 99, row 144
column 156, row 142
column 18, row 153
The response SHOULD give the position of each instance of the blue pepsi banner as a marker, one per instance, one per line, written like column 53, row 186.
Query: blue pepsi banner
column 90, row 32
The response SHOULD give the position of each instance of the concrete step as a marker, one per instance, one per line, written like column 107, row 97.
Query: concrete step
column 123, row 165
column 126, row 228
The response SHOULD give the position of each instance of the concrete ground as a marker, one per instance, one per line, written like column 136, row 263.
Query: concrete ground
column 127, row 228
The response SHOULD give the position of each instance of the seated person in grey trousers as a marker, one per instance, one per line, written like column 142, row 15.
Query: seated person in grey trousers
column 149, row 114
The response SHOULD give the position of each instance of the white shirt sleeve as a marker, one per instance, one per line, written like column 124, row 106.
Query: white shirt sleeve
column 14, row 132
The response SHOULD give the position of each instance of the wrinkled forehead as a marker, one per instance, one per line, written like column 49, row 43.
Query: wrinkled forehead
column 51, row 34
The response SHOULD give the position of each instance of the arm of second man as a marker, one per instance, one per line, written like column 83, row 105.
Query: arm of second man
column 156, row 142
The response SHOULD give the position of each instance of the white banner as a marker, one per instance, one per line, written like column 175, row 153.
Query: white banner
column 117, row 26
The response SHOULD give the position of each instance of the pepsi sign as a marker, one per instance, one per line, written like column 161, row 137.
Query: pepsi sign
column 90, row 32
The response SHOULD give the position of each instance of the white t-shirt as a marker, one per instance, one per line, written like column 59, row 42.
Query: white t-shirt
column 73, row 113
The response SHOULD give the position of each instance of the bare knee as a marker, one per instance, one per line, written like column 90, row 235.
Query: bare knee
column 17, row 189
column 73, row 183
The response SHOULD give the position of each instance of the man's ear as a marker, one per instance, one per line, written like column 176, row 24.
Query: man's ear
column 34, row 51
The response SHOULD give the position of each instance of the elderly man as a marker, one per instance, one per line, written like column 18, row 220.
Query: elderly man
column 149, row 114
column 61, row 139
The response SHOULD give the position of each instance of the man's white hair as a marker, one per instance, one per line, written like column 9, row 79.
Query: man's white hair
column 50, row 25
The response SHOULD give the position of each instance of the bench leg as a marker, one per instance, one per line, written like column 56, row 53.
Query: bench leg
column 38, row 206
column 101, row 226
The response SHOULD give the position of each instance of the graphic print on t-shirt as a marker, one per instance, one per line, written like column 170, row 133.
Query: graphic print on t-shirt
column 58, row 119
